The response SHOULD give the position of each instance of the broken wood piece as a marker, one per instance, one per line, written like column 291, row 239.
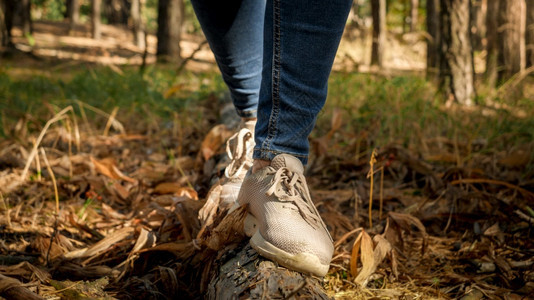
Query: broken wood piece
column 11, row 288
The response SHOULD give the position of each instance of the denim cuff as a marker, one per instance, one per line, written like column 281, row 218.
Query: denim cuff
column 268, row 154
column 247, row 113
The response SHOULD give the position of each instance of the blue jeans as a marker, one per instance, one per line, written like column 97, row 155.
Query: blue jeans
column 276, row 57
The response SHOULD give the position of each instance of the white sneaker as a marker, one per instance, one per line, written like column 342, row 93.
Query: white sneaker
column 239, row 148
column 285, row 225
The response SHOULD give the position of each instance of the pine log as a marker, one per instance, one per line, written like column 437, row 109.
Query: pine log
column 246, row 275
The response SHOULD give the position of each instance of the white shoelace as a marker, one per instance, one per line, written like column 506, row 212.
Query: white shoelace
column 291, row 186
column 238, row 156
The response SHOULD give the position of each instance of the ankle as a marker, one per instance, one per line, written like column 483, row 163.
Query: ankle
column 260, row 164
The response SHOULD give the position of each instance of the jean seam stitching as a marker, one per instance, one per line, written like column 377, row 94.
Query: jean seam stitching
column 275, row 77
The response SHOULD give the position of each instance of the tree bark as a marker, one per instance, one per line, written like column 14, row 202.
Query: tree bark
column 170, row 20
column 137, row 24
column 492, row 48
column 511, row 54
column 249, row 276
column 26, row 17
column 11, row 288
column 529, row 34
column 95, row 19
column 414, row 12
column 4, row 33
column 433, row 56
column 116, row 11
column 478, row 28
column 378, row 8
column 73, row 11
column 458, row 53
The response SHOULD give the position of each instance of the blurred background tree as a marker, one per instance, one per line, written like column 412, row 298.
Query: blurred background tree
column 499, row 32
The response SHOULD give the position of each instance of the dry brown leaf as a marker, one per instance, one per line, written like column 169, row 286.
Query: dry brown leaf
column 208, row 211
column 176, row 189
column 405, row 221
column 442, row 157
column 355, row 254
column 214, row 140
column 105, row 167
column 103, row 245
column 367, row 259
column 230, row 230
column 108, row 168
column 518, row 158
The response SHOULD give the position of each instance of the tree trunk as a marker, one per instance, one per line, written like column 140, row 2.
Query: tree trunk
column 170, row 20
column 137, row 24
column 478, row 28
column 73, row 12
column 116, row 11
column 378, row 8
column 95, row 19
column 457, row 50
column 511, row 53
column 414, row 12
column 433, row 56
column 529, row 34
column 4, row 34
column 26, row 17
column 492, row 48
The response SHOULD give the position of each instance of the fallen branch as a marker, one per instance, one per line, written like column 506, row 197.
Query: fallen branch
column 11, row 288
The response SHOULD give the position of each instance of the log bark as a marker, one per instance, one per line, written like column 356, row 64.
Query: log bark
column 26, row 17
column 246, row 275
column 433, row 57
column 511, row 54
column 95, row 19
column 378, row 8
column 455, row 18
column 11, row 288
column 529, row 34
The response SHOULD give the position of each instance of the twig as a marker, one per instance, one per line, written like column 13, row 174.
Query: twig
column 115, row 123
column 59, row 116
column 381, row 193
column 186, row 60
column 492, row 181
column 111, row 119
column 371, row 174
column 56, row 194
column 8, row 217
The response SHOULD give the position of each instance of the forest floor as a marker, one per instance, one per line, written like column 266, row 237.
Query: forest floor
column 104, row 169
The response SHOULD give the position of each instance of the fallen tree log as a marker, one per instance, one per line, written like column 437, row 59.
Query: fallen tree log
column 246, row 275
column 11, row 288
column 238, row 271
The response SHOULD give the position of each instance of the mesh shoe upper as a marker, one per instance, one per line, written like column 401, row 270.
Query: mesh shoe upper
column 279, row 199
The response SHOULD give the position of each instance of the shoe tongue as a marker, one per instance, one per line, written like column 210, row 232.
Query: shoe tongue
column 288, row 161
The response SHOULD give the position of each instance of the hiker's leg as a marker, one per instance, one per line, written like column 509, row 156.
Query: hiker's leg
column 301, row 38
column 234, row 30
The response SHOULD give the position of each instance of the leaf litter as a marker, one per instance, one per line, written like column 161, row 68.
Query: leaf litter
column 133, row 220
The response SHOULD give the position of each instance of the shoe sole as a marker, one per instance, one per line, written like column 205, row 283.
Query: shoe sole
column 301, row 262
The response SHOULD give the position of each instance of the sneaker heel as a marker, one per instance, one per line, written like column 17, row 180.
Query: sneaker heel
column 251, row 225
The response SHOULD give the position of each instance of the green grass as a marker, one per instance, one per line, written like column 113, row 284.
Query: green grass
column 135, row 94
column 401, row 110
